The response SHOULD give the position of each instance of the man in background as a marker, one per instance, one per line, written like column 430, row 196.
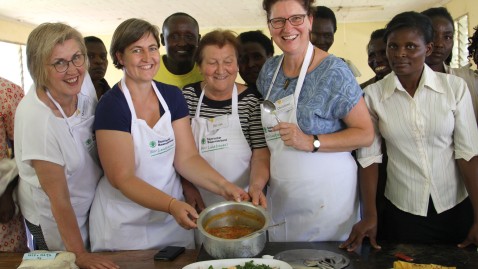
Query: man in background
column 377, row 57
column 98, row 57
column 324, row 27
column 180, row 35
column 256, row 48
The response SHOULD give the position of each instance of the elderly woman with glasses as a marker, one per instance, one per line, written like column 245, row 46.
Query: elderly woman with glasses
column 55, row 147
column 323, row 117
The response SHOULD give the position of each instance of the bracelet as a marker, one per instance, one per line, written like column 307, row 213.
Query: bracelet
column 170, row 202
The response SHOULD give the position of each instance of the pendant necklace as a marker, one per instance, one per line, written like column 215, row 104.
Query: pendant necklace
column 286, row 83
column 287, row 80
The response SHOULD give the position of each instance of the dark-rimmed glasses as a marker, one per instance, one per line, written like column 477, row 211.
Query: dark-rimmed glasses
column 294, row 20
column 62, row 65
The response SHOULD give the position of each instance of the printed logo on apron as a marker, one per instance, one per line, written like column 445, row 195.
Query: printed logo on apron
column 158, row 147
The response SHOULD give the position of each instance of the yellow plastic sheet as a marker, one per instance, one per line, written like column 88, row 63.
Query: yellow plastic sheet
column 408, row 265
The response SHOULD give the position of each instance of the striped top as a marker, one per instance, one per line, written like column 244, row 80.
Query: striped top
column 424, row 135
column 248, row 108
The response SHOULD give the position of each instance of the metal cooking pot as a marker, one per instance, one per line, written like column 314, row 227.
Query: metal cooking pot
column 233, row 214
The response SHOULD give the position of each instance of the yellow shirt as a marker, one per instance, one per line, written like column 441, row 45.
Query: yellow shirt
column 179, row 81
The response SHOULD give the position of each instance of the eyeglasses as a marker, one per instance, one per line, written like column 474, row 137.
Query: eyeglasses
column 294, row 20
column 62, row 65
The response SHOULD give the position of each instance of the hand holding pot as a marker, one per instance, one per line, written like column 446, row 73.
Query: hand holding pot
column 184, row 214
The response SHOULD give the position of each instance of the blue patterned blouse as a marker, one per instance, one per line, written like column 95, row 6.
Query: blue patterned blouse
column 328, row 94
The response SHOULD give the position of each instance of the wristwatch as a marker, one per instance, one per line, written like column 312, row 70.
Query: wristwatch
column 316, row 143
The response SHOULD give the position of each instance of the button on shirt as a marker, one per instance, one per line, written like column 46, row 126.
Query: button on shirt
column 424, row 135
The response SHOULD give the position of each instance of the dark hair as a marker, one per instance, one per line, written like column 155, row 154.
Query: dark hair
column 414, row 20
column 180, row 14
column 439, row 12
column 257, row 37
column 473, row 41
column 306, row 4
column 93, row 39
column 324, row 12
column 127, row 33
column 379, row 33
column 218, row 38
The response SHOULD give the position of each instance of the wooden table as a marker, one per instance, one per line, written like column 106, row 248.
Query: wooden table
column 141, row 259
column 364, row 258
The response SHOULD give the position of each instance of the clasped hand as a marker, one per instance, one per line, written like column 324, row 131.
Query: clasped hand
column 292, row 136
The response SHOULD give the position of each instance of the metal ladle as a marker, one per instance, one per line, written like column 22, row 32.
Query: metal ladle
column 270, row 108
column 263, row 229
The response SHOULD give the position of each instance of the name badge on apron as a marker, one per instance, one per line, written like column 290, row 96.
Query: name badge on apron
column 90, row 145
column 159, row 147
column 285, row 104
column 217, row 123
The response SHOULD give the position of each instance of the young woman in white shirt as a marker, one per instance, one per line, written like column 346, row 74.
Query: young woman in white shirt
column 426, row 119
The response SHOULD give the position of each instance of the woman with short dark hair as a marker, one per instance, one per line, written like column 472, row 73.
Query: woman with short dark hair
column 426, row 119
column 144, row 143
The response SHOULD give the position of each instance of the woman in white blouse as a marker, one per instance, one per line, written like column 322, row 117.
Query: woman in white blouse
column 428, row 124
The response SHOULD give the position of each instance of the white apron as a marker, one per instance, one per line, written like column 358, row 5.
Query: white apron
column 116, row 222
column 81, row 184
column 314, row 193
column 222, row 144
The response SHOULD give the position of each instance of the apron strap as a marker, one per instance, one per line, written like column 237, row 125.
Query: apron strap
column 303, row 72
column 234, row 107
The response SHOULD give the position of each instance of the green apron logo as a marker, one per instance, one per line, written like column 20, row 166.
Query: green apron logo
column 152, row 144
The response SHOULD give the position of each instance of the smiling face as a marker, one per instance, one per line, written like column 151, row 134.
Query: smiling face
column 219, row 68
column 290, row 39
column 98, row 60
column 252, row 57
column 180, row 37
column 140, row 59
column 69, row 82
column 322, row 34
column 377, row 57
column 442, row 41
column 406, row 53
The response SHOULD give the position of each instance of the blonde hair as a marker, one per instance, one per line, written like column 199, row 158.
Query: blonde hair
column 40, row 44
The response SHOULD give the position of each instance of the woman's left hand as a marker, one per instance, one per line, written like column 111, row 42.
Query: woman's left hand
column 234, row 193
column 294, row 137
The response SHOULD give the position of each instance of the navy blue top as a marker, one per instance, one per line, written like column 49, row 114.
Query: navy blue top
column 112, row 112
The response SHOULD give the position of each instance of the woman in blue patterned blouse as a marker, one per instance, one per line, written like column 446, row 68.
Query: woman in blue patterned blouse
column 323, row 117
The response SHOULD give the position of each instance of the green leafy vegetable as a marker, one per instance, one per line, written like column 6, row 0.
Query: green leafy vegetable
column 247, row 265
